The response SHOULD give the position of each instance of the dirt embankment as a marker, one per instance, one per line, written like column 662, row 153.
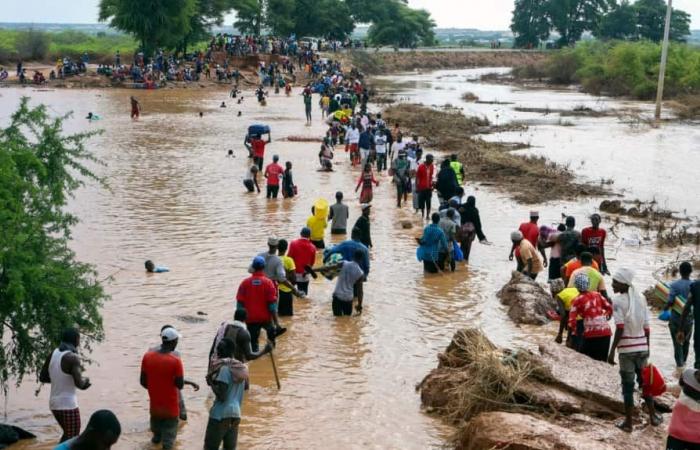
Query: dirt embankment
column 554, row 398
column 382, row 63
column 527, row 179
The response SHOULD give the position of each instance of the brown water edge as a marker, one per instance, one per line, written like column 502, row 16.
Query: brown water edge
column 176, row 199
column 527, row 179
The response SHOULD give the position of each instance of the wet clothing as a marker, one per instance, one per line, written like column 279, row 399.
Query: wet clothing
column 161, row 370
column 594, row 240
column 447, row 183
column 317, row 226
column 347, row 250
column 362, row 226
column 69, row 421
column 366, row 180
column 288, row 189
column 350, row 274
column 432, row 244
column 527, row 251
column 568, row 240
column 257, row 294
column 339, row 213
column 303, row 252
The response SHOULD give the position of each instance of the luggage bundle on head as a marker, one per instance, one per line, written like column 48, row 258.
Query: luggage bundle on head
column 258, row 130
column 321, row 208
column 661, row 291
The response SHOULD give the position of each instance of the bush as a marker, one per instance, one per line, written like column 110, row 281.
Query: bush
column 32, row 44
column 625, row 68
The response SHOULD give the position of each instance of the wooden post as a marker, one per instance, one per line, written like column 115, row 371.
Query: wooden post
column 664, row 57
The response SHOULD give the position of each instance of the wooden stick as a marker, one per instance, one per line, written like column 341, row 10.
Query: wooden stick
column 274, row 369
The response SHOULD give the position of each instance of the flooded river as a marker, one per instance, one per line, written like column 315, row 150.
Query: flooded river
column 176, row 198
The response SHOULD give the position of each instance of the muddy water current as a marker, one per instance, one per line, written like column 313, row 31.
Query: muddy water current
column 176, row 198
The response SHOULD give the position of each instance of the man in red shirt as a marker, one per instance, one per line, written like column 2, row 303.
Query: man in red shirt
column 163, row 376
column 593, row 238
column 257, row 295
column 303, row 252
column 531, row 232
column 424, row 185
column 258, row 148
column 273, row 173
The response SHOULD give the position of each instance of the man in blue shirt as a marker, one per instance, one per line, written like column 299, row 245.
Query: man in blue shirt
column 680, row 288
column 365, row 145
column 227, row 377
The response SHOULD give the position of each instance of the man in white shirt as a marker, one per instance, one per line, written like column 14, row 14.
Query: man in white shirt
column 631, row 341
column 380, row 149
column 352, row 139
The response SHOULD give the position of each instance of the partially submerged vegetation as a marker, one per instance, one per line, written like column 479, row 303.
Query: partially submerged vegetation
column 628, row 69
column 527, row 179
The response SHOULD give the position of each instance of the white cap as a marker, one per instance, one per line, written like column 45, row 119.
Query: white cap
column 365, row 206
column 169, row 334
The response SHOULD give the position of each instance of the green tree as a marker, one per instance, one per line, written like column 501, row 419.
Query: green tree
column 530, row 23
column 280, row 16
column 619, row 23
column 43, row 289
column 651, row 18
column 402, row 26
column 33, row 44
column 571, row 18
column 207, row 14
column 154, row 23
column 250, row 16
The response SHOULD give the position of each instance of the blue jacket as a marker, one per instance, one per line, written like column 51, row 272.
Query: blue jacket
column 347, row 250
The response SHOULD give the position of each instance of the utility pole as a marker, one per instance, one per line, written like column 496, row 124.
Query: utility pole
column 664, row 57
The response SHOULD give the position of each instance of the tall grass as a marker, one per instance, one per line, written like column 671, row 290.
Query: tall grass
column 48, row 46
column 621, row 68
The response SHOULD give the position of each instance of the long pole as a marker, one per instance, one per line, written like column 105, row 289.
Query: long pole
column 664, row 57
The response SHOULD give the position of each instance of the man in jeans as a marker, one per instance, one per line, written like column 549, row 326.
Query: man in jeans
column 680, row 288
column 424, row 185
column 162, row 374
column 227, row 377
column 631, row 341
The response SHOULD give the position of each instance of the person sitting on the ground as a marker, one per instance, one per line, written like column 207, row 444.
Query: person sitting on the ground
column 152, row 268
column 101, row 433
column 595, row 311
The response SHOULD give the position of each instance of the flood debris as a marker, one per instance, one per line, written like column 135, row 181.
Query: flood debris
column 527, row 301
column 552, row 398
column 528, row 179
column 470, row 97
column 296, row 138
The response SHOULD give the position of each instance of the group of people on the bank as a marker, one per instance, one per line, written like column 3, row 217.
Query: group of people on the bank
column 577, row 267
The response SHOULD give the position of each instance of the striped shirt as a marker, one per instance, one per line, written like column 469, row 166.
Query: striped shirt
column 633, row 337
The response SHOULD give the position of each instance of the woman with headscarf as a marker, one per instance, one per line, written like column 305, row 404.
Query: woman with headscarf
column 470, row 226
column 631, row 341
column 595, row 311
column 684, row 429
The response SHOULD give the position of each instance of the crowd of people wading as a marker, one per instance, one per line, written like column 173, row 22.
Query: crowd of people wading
column 577, row 263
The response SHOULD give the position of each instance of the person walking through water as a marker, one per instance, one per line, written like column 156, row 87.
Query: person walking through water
column 227, row 377
column 257, row 295
column 366, row 180
column 432, row 250
column 288, row 188
column 338, row 215
column 470, row 226
column 424, row 185
column 349, row 286
column 307, row 106
column 273, row 174
column 250, row 181
column 401, row 171
column 135, row 108
column 63, row 370
column 362, row 226
column 163, row 375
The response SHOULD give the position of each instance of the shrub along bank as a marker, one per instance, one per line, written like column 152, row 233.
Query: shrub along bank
column 620, row 69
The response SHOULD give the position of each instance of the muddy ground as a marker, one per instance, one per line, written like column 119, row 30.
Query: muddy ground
column 526, row 179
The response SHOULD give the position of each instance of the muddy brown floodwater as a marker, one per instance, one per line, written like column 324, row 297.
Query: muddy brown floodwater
column 176, row 198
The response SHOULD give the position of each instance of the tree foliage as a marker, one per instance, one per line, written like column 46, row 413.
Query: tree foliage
column 619, row 23
column 401, row 26
column 571, row 18
column 530, row 23
column 155, row 23
column 43, row 289
column 651, row 17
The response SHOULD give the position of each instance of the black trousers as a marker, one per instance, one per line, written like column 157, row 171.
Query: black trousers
column 254, row 330
column 259, row 161
column 596, row 348
column 285, row 306
column 341, row 307
column 218, row 431
column 249, row 185
column 676, row 444
column 424, row 199
column 303, row 286
column 554, row 268
column 272, row 191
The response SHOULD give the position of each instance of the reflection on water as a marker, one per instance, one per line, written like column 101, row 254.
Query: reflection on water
column 176, row 198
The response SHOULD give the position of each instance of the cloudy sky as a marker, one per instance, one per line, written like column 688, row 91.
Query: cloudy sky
column 482, row 14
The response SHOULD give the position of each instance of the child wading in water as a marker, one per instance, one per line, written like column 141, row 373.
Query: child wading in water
column 366, row 180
